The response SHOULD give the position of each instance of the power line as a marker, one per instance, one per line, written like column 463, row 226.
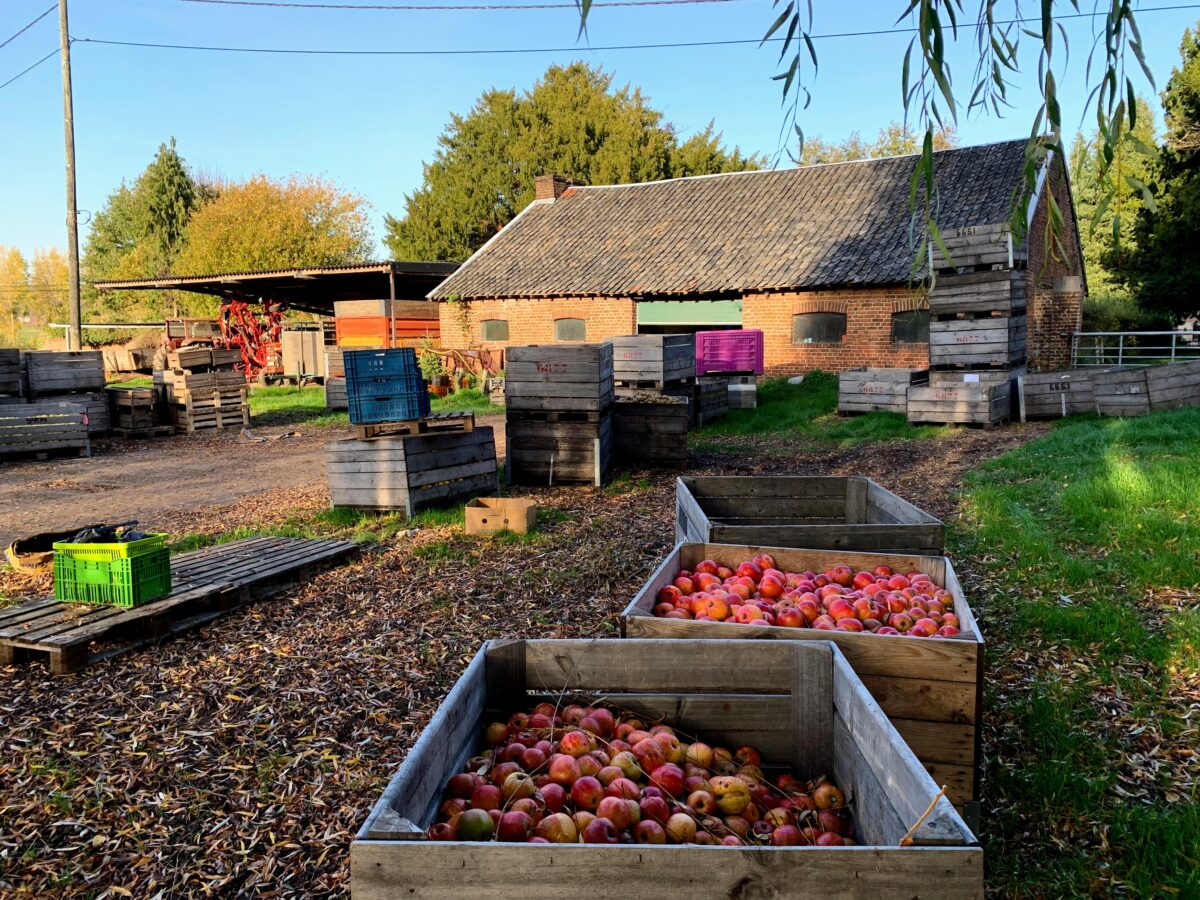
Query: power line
column 410, row 7
column 26, row 71
column 483, row 51
column 12, row 38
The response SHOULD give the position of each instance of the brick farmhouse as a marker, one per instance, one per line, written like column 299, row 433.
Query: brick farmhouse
column 818, row 257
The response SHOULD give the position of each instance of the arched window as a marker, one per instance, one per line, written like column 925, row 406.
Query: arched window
column 818, row 328
column 494, row 329
column 570, row 330
column 910, row 327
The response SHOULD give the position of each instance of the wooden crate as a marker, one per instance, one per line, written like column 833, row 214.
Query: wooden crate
column 820, row 512
column 195, row 411
column 1174, row 386
column 10, row 373
column 184, row 380
column 51, row 372
column 650, row 431
column 963, row 404
column 1121, row 392
column 978, row 247
column 930, row 688
column 95, row 403
column 743, row 391
column 132, row 409
column 335, row 394
column 335, row 363
column 877, row 390
column 411, row 473
column 979, row 292
column 559, row 377
column 1053, row 395
column 43, row 427
column 710, row 400
column 653, row 360
column 977, row 341
column 540, row 451
column 942, row 378
column 801, row 704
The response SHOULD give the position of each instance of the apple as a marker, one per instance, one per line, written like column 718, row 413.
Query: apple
column 563, row 769
column 681, row 828
column 486, row 796
column 829, row 839
column 623, row 788
column 616, row 810
column 649, row 831
column 655, row 808
column 444, row 831
column 702, row 803
column 600, row 831
column 474, row 825
column 515, row 827
column 587, row 792
column 828, row 796
column 554, row 796
column 669, row 777
column 557, row 828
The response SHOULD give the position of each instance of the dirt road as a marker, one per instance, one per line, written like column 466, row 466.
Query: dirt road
column 163, row 483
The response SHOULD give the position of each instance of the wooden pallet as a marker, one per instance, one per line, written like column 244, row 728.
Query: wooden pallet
column 207, row 584
column 435, row 424
column 211, row 409
column 148, row 431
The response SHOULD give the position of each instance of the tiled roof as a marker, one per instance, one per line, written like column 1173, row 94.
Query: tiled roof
column 817, row 226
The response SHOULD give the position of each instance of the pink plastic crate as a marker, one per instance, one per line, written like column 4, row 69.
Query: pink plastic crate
column 729, row 351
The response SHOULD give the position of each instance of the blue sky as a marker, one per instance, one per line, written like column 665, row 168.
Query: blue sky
column 368, row 122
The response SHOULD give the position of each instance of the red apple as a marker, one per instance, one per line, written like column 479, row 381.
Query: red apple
column 649, row 831
column 587, row 793
column 557, row 828
column 515, row 827
column 600, row 831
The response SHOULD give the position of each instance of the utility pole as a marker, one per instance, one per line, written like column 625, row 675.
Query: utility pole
column 75, row 332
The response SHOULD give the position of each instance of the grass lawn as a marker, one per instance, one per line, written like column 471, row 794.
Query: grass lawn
column 808, row 412
column 1088, row 540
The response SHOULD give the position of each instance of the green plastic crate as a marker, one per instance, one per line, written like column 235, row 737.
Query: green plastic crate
column 127, row 581
column 108, row 552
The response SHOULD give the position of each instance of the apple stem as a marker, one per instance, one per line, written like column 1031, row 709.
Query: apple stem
column 907, row 840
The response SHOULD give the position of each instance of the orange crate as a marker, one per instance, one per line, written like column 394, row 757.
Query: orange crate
column 374, row 331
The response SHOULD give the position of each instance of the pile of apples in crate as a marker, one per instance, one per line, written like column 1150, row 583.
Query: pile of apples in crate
column 837, row 599
column 586, row 774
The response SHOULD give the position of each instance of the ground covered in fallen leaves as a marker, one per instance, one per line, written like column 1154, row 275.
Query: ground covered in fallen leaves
column 240, row 759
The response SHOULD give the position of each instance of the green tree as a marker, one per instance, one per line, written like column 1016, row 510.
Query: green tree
column 1164, row 267
column 268, row 224
column 572, row 122
column 895, row 139
column 139, row 232
column 14, row 293
column 1109, row 198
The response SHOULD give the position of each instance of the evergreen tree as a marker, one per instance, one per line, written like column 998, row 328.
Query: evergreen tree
column 1164, row 269
column 573, row 123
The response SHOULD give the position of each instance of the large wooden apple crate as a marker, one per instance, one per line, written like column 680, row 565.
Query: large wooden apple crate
column 1001, row 291
column 11, row 380
column 975, row 340
column 710, row 399
column 930, row 688
column 653, row 360
column 1174, row 386
column 1055, row 395
column 972, row 403
column 974, row 247
column 42, row 428
column 411, row 472
column 50, row 372
column 800, row 704
column 335, row 392
column 877, row 390
column 650, row 430
column 554, row 448
column 1121, row 392
column 559, row 377
column 821, row 512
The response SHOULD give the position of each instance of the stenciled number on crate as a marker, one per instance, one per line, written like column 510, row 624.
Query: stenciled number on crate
column 1061, row 386
column 972, row 338
column 551, row 368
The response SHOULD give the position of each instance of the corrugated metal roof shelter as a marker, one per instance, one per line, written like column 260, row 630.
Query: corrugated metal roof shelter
column 311, row 289
column 816, row 226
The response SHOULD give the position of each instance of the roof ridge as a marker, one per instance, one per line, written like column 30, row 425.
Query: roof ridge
column 576, row 188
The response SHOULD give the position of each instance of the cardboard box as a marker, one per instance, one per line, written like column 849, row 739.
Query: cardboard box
column 488, row 515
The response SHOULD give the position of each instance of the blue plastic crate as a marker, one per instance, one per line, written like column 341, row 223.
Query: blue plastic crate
column 385, row 386
column 398, row 408
column 380, row 363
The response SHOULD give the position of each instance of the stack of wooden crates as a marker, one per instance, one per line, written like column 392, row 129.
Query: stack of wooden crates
column 201, row 389
column 559, row 401
column 403, row 458
column 977, row 327
column 655, row 381
column 665, row 365
column 50, row 402
column 68, row 376
column 335, row 379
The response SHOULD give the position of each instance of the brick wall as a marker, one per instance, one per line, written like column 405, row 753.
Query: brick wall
column 532, row 321
column 1054, row 286
column 868, row 338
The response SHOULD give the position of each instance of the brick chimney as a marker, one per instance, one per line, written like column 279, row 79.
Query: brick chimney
column 551, row 187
